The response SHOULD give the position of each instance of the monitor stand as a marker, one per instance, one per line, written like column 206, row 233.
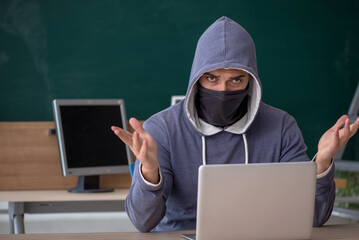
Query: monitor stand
column 89, row 184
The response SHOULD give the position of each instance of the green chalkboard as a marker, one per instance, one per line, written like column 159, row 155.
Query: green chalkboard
column 142, row 51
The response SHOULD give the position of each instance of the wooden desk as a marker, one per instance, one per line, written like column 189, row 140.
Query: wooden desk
column 30, row 160
column 331, row 232
column 58, row 201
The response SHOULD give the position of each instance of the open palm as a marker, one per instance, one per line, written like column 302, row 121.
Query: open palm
column 335, row 138
column 143, row 146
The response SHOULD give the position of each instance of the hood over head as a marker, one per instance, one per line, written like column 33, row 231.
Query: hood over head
column 225, row 44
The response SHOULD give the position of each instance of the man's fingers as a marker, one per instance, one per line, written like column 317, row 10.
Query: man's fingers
column 125, row 136
column 345, row 131
column 136, row 125
column 340, row 122
column 136, row 143
column 143, row 150
column 132, row 140
column 354, row 127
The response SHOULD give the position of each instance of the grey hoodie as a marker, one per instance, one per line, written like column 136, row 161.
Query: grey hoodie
column 265, row 134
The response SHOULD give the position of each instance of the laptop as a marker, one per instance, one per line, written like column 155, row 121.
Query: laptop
column 255, row 201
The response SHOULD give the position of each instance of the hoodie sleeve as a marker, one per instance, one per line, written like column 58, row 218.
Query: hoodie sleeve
column 324, row 198
column 294, row 149
column 145, row 203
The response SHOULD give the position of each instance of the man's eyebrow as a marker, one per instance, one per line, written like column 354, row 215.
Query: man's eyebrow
column 239, row 76
column 212, row 75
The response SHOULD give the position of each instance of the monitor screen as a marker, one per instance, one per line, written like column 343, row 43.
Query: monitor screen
column 87, row 145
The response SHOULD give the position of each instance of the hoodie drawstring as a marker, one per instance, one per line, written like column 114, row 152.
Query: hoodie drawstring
column 204, row 149
column 245, row 148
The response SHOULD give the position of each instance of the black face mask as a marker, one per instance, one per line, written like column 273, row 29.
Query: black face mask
column 221, row 108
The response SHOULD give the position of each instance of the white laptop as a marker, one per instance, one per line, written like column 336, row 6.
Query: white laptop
column 256, row 201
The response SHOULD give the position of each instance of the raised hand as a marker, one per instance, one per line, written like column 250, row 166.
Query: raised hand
column 143, row 146
column 334, row 139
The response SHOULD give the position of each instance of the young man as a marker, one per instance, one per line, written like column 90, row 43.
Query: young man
column 222, row 120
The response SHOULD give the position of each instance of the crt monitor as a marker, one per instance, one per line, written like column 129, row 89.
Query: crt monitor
column 88, row 147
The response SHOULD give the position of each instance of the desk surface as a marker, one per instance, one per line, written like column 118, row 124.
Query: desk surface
column 339, row 232
column 60, row 195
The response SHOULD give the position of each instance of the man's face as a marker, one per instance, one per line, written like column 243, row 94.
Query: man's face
column 225, row 80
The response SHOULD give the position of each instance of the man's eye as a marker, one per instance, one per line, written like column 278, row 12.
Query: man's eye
column 236, row 80
column 211, row 78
